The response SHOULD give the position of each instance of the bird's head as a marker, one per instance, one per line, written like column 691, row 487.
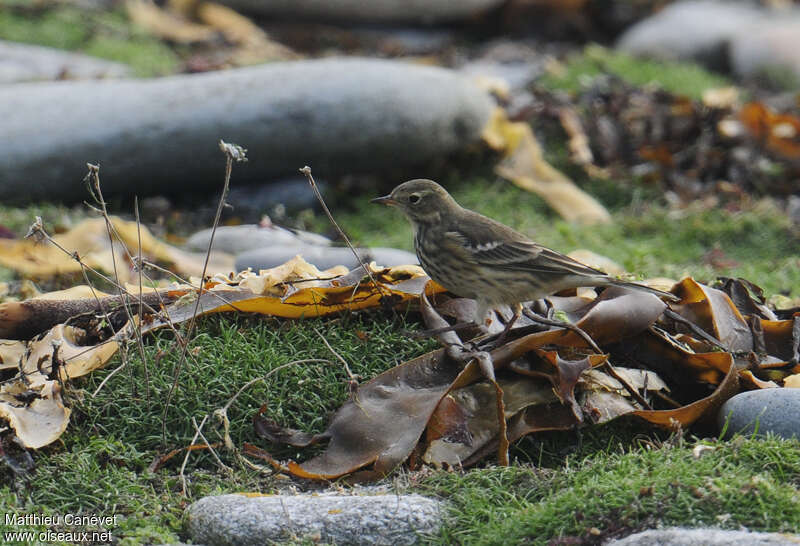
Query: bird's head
column 422, row 201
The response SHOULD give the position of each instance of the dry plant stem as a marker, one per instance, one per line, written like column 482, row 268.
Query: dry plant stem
column 94, row 181
column 229, row 158
column 222, row 465
column 96, row 191
column 307, row 171
column 84, row 267
column 353, row 377
column 188, row 451
column 611, row 371
column 109, row 376
column 436, row 331
column 633, row 392
column 268, row 375
column 561, row 324
column 137, row 326
column 695, row 329
column 221, row 415
column 186, row 282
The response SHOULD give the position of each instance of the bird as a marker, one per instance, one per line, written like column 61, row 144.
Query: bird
column 476, row 257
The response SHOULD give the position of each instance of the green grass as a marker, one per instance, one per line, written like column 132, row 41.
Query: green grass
column 746, row 482
column 558, row 487
column 104, row 34
column 100, row 464
column 683, row 78
column 616, row 478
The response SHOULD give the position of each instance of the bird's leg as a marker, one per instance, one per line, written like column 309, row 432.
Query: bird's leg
column 504, row 334
column 563, row 324
column 436, row 331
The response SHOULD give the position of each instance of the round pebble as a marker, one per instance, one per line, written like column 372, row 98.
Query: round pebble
column 765, row 410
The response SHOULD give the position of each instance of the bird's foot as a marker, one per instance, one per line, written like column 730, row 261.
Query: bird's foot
column 562, row 324
column 436, row 331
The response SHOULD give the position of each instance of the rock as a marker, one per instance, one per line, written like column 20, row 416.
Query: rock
column 27, row 63
column 679, row 536
column 694, row 29
column 322, row 257
column 793, row 209
column 160, row 136
column 769, row 49
column 515, row 62
column 327, row 518
column 773, row 410
column 292, row 193
column 383, row 11
column 236, row 239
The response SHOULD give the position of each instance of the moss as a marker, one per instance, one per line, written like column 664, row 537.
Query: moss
column 682, row 78
column 747, row 482
column 104, row 34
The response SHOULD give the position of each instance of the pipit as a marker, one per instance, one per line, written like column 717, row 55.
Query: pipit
column 476, row 257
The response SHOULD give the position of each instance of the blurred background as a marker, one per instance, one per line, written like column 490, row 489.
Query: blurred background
column 658, row 138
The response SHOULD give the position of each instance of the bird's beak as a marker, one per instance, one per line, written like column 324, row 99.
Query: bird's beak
column 385, row 200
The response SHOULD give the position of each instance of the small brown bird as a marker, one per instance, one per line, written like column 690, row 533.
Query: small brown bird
column 476, row 257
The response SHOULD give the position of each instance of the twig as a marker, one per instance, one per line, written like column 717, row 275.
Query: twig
column 633, row 392
column 221, row 414
column 695, row 329
column 188, row 283
column 307, row 171
column 222, row 465
column 232, row 153
column 188, row 451
column 353, row 377
column 562, row 324
column 109, row 376
column 137, row 327
column 587, row 338
column 94, row 183
column 267, row 376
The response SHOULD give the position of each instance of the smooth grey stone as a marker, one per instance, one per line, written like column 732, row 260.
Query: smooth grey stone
column 772, row 410
column 679, row 536
column 692, row 29
column 769, row 49
column 236, row 239
column 327, row 518
column 793, row 209
column 384, row 11
column 322, row 257
column 338, row 115
column 291, row 193
column 27, row 63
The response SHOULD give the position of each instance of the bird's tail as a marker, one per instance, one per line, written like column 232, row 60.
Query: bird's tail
column 643, row 288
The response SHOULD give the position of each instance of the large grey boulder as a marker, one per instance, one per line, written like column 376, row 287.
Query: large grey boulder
column 27, row 63
column 160, row 136
column 769, row 49
column 328, row 518
column 385, row 11
column 693, row 29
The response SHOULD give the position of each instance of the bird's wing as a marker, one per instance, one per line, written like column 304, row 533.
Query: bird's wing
column 497, row 246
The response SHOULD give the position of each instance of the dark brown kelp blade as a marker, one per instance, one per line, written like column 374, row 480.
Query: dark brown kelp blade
column 714, row 312
column 383, row 422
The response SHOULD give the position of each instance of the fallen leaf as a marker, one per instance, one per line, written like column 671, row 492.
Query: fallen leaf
column 524, row 165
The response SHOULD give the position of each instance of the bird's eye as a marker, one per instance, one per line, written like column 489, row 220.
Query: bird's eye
column 414, row 198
